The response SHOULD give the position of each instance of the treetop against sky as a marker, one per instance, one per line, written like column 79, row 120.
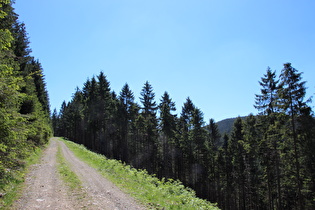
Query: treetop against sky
column 212, row 51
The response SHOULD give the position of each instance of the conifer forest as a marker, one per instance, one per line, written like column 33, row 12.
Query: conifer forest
column 24, row 105
column 266, row 162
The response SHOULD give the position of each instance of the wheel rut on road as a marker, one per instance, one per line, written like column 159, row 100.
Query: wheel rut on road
column 43, row 187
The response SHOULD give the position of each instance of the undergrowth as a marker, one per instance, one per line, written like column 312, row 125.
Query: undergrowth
column 155, row 193
column 12, row 182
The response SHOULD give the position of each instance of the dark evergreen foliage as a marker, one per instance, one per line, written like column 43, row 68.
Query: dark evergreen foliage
column 265, row 163
column 24, row 103
column 261, row 162
column 266, row 101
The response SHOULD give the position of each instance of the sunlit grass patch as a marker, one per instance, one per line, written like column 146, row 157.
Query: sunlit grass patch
column 154, row 193
column 66, row 174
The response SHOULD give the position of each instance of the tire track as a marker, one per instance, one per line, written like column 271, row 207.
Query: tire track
column 104, row 194
column 43, row 187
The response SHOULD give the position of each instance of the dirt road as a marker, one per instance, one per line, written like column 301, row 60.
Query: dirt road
column 45, row 190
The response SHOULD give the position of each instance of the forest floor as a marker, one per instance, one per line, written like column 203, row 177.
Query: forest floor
column 44, row 189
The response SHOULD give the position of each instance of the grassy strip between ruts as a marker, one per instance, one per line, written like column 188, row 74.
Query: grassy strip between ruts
column 155, row 193
column 68, row 176
column 71, row 180
column 15, row 179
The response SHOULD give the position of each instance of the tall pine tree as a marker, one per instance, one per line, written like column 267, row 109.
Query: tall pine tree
column 150, row 134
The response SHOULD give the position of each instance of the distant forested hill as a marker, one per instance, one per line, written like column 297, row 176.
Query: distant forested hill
column 226, row 125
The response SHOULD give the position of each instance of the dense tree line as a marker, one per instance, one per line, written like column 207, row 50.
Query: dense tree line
column 24, row 105
column 266, row 163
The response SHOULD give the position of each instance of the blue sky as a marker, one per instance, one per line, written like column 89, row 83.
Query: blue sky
column 213, row 51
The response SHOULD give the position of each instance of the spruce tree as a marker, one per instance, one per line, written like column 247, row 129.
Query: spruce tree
column 167, row 136
column 252, row 162
column 149, row 108
column 227, row 176
column 126, row 116
column 147, row 99
column 197, row 137
column 212, row 143
column 104, row 114
column 55, row 122
column 9, row 100
column 186, row 143
column 40, row 85
column 266, row 102
column 236, row 149
column 292, row 102
column 23, row 123
column 167, row 119
column 90, row 112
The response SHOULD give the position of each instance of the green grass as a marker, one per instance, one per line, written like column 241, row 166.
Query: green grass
column 14, row 183
column 71, row 180
column 154, row 193
column 66, row 174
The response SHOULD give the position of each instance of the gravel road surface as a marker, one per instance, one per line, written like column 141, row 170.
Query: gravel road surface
column 45, row 190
